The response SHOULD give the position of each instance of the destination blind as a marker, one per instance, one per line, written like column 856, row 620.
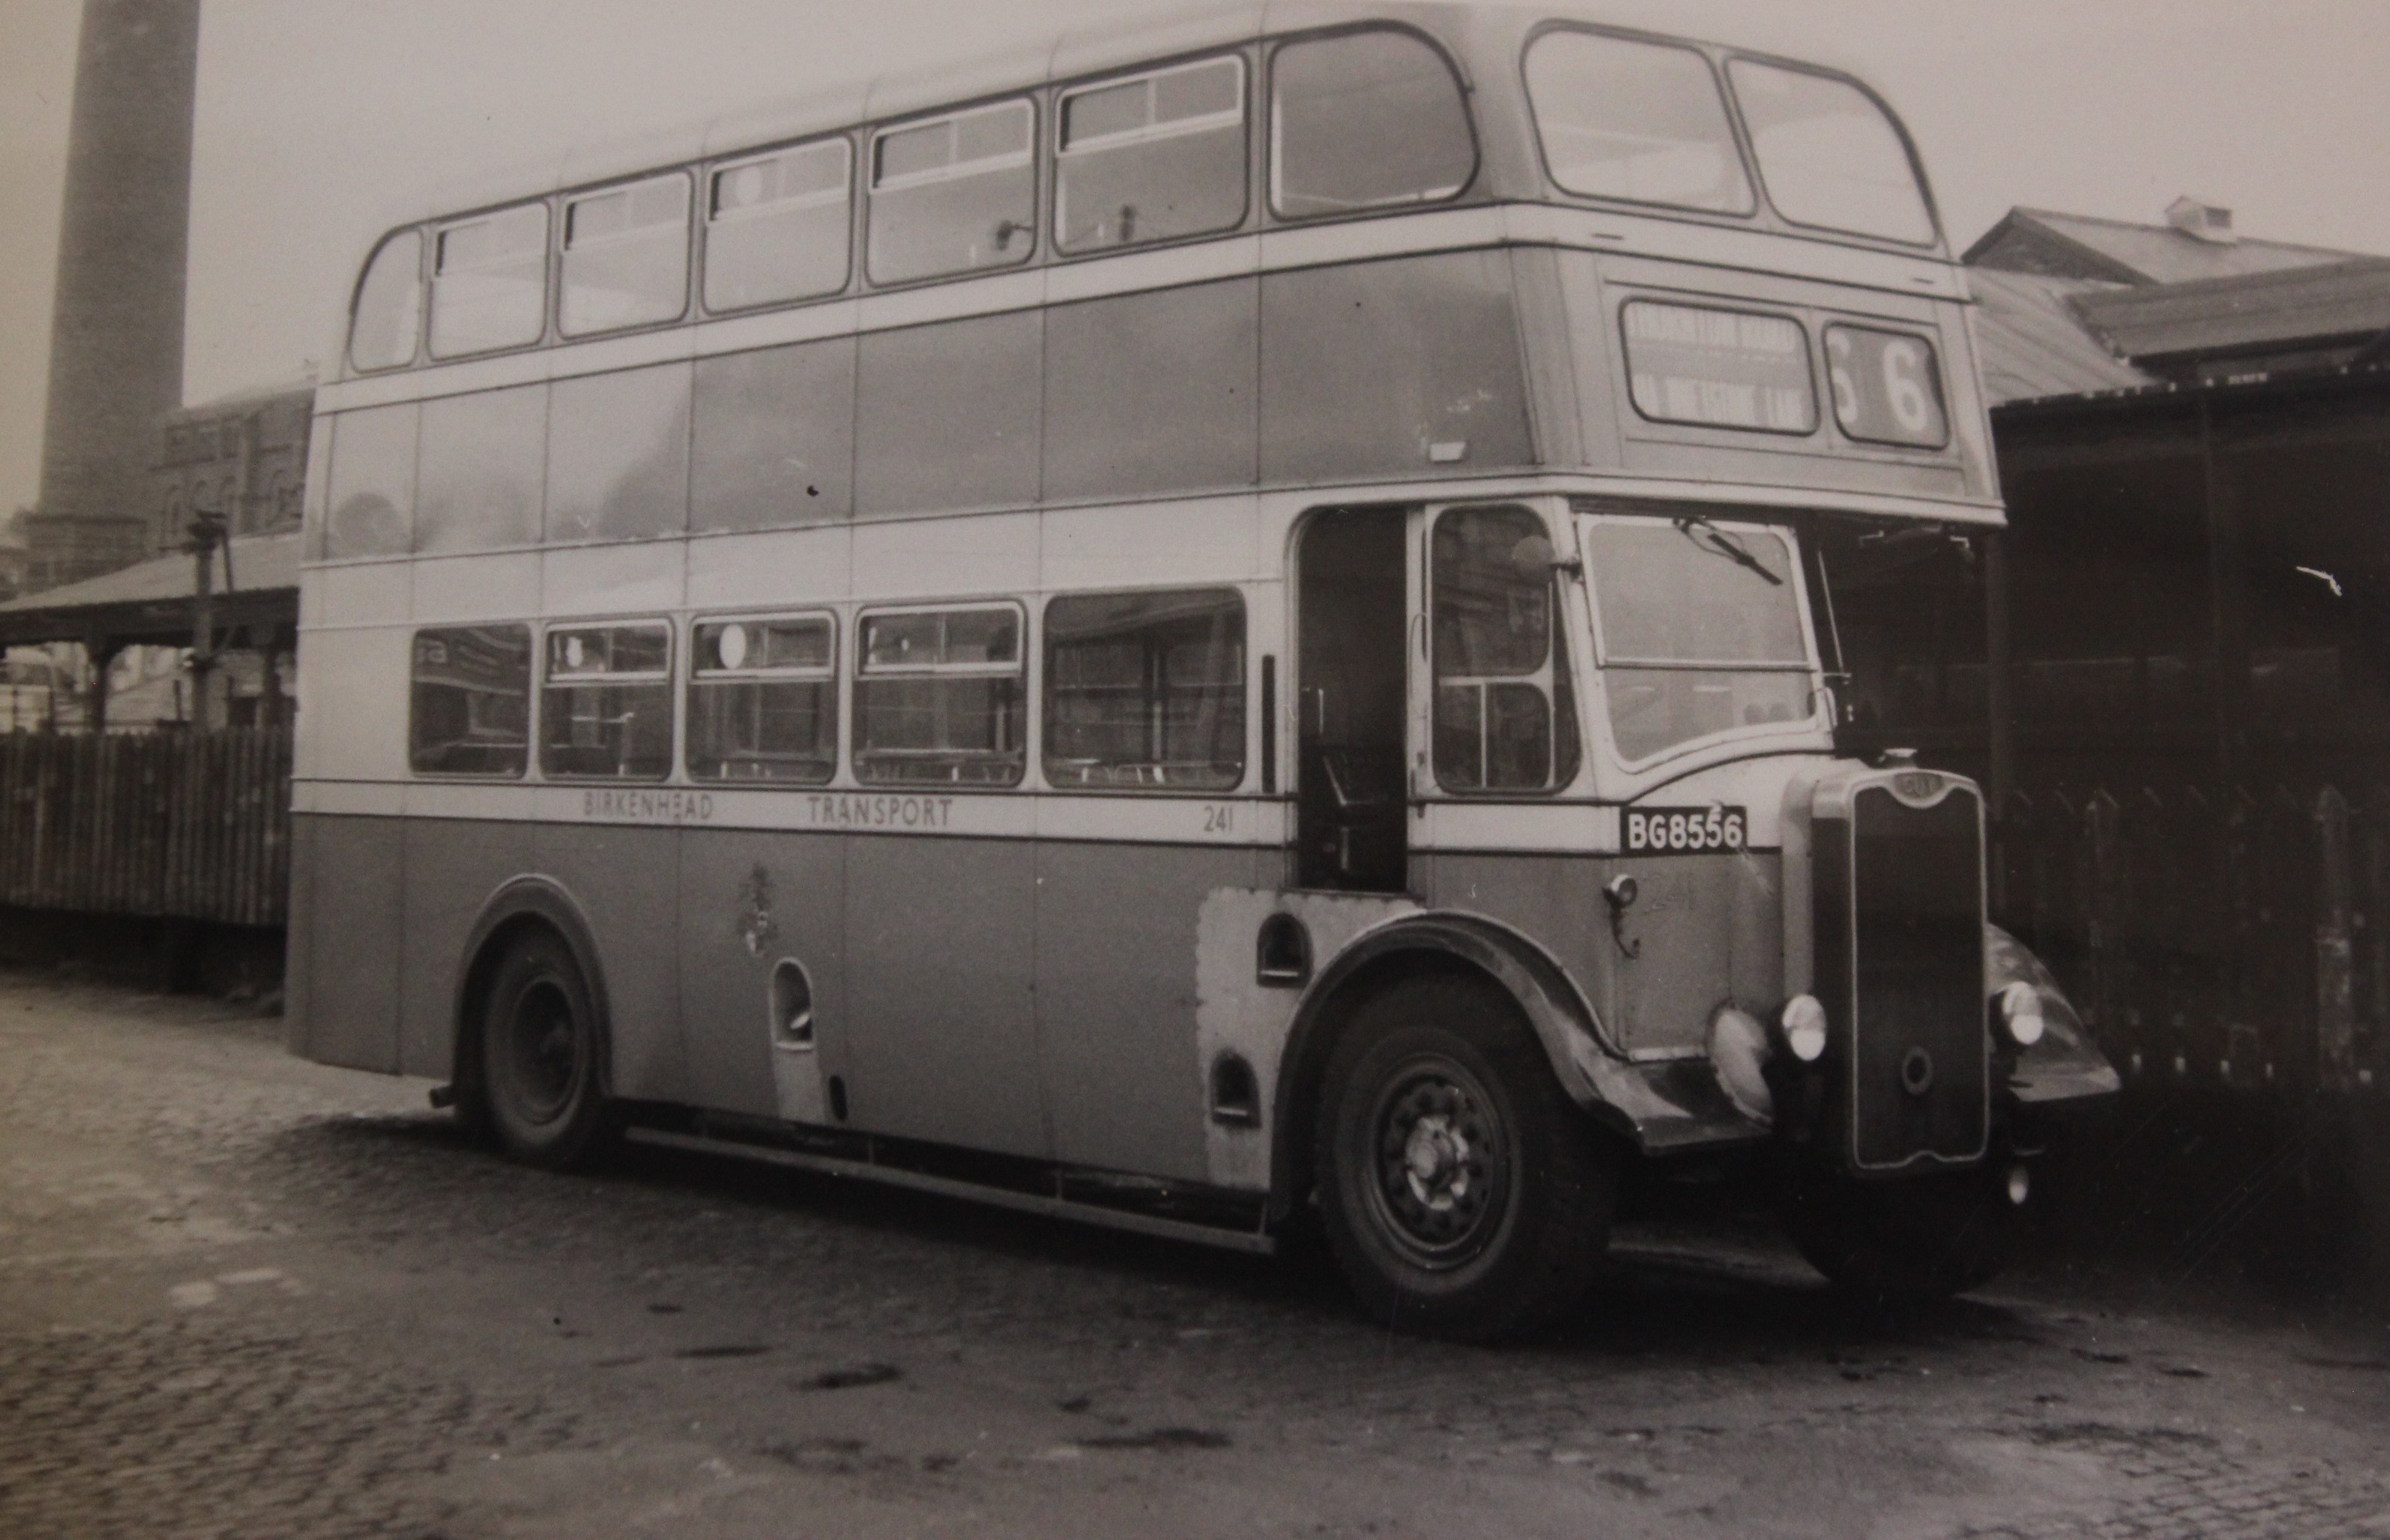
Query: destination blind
column 1721, row 368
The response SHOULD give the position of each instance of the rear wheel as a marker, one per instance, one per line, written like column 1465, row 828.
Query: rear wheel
column 1905, row 1240
column 543, row 1054
column 1464, row 1195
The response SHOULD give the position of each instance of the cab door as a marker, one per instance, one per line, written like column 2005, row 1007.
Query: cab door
column 1356, row 580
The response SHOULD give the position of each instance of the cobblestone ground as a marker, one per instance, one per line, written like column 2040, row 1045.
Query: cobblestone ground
column 244, row 1296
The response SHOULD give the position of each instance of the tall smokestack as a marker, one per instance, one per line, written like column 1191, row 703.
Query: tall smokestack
column 116, row 338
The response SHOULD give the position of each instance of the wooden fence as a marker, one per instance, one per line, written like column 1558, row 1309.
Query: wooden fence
column 2240, row 941
column 191, row 826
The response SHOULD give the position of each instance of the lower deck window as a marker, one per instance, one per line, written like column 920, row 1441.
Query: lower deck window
column 606, row 706
column 762, row 701
column 940, row 698
column 468, row 709
column 1146, row 690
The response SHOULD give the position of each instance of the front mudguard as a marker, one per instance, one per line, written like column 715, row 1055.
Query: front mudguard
column 2064, row 1070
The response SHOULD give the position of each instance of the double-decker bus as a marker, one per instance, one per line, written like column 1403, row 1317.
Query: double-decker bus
column 1230, row 620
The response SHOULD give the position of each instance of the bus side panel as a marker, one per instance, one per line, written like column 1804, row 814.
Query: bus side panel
column 1118, row 425
column 947, row 416
column 299, row 939
column 748, row 900
column 626, row 880
column 1591, row 353
column 1554, row 901
column 1388, row 369
column 355, row 871
column 941, row 941
column 1116, row 1001
column 453, row 866
column 1705, row 929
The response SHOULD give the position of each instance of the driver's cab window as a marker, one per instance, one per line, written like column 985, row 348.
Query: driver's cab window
column 1505, row 711
column 1701, row 630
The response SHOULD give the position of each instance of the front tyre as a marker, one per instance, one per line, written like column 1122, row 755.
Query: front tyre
column 543, row 1054
column 1464, row 1196
column 1905, row 1240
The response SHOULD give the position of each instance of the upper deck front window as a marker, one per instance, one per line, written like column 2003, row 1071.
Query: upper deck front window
column 1702, row 630
column 1828, row 154
column 390, row 304
column 1365, row 120
column 1642, row 121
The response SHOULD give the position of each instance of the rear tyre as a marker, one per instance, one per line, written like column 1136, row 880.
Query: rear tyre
column 544, row 1056
column 1464, row 1194
column 1905, row 1240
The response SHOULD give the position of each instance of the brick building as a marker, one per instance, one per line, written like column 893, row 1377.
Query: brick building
column 244, row 457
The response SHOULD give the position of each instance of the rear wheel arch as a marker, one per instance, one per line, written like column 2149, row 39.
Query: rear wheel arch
column 522, row 906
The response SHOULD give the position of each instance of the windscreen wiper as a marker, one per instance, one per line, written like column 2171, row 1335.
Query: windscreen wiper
column 1709, row 537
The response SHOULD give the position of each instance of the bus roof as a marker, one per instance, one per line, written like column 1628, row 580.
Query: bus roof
column 1477, row 36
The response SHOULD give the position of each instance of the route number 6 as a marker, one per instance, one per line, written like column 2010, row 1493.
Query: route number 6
column 1904, row 382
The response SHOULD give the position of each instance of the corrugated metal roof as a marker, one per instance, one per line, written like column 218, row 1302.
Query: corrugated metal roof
column 260, row 563
column 2308, row 305
column 2032, row 343
column 2153, row 253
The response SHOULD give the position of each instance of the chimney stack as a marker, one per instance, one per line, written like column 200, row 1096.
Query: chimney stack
column 116, row 338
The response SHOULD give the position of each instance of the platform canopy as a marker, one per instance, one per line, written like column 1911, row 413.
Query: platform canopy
column 255, row 581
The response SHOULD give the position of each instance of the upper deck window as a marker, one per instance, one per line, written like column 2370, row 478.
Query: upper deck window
column 626, row 257
column 1828, row 154
column 1151, row 158
column 954, row 194
column 1702, row 630
column 1365, row 120
column 489, row 282
column 780, row 227
column 1643, row 121
column 390, row 304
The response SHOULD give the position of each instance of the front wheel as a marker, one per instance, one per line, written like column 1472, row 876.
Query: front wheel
column 1464, row 1196
column 543, row 1054
column 1904, row 1240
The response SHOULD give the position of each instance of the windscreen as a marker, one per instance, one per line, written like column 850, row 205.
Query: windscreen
column 1622, row 117
column 1702, row 630
column 1828, row 154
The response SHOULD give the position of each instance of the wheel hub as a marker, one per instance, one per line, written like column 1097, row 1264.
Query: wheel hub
column 1441, row 1165
column 1437, row 1156
column 546, row 1054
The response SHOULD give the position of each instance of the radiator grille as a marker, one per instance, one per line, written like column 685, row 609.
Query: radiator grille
column 1910, row 932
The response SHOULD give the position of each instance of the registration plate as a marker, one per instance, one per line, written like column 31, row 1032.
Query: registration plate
column 1717, row 826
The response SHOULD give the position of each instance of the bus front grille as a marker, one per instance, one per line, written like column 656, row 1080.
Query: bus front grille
column 1900, row 954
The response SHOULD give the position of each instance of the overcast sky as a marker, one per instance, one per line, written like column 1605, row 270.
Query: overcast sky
column 313, row 113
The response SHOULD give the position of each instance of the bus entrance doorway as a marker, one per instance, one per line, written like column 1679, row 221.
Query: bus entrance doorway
column 1351, row 824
